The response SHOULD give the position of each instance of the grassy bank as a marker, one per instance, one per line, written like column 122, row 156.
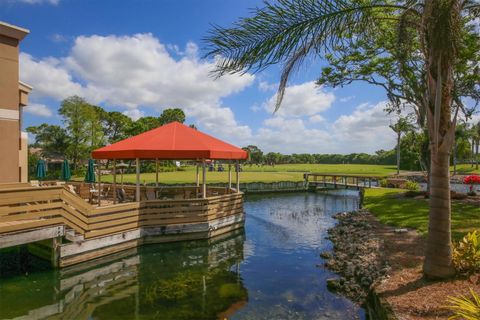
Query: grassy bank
column 393, row 209
column 466, row 169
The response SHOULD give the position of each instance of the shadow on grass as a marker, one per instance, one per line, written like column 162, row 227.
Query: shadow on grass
column 393, row 209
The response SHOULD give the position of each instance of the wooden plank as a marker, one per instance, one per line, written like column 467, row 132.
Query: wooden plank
column 50, row 212
column 10, row 210
column 8, row 227
column 19, row 238
column 97, row 253
column 94, row 244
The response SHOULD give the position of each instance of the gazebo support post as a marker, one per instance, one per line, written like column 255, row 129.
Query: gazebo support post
column 156, row 172
column 114, row 181
column 229, row 175
column 137, row 189
column 198, row 175
column 99, row 184
column 237, row 165
column 204, row 182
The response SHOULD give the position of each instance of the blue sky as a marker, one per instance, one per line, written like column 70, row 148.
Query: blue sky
column 139, row 57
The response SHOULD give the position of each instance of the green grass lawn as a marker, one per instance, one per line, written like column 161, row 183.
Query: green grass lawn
column 394, row 210
column 466, row 169
column 282, row 172
column 212, row 177
column 357, row 169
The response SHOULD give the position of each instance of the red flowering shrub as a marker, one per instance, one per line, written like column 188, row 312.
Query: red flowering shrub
column 471, row 180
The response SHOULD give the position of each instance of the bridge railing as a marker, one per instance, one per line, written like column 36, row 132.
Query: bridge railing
column 347, row 180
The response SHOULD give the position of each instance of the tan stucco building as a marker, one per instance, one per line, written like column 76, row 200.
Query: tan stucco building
column 13, row 97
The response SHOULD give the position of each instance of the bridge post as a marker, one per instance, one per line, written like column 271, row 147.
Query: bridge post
column 325, row 181
column 335, row 182
column 369, row 182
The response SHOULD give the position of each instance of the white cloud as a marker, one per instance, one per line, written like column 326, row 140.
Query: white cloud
column 138, row 71
column 290, row 136
column 346, row 99
column 265, row 86
column 305, row 99
column 135, row 114
column 316, row 118
column 365, row 130
column 58, row 38
column 38, row 110
column 49, row 77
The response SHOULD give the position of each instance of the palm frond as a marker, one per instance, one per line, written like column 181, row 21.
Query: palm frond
column 286, row 31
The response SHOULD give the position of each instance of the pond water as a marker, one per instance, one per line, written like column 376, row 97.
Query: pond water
column 269, row 270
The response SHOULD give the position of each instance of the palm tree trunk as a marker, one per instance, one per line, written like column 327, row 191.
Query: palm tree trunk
column 472, row 153
column 455, row 157
column 438, row 257
column 476, row 154
column 398, row 152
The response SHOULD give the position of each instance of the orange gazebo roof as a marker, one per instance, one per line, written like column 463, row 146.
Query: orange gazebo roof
column 173, row 141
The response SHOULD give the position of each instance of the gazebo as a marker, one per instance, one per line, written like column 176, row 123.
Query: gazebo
column 173, row 141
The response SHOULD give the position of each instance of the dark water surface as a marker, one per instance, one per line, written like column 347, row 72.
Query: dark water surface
column 270, row 270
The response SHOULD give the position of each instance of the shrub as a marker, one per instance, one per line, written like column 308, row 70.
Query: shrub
column 464, row 307
column 383, row 183
column 412, row 186
column 466, row 254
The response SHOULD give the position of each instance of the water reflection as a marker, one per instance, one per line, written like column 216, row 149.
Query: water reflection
column 272, row 270
column 195, row 280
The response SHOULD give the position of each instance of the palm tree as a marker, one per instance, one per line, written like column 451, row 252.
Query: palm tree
column 402, row 125
column 461, row 133
column 289, row 31
column 476, row 142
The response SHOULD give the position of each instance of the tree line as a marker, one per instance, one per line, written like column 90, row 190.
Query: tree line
column 87, row 127
column 413, row 143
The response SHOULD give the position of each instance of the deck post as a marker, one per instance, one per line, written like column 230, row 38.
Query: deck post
column 204, row 182
column 198, row 176
column 237, row 165
column 99, row 184
column 369, row 182
column 156, row 172
column 325, row 181
column 229, row 175
column 114, row 181
column 137, row 187
column 335, row 182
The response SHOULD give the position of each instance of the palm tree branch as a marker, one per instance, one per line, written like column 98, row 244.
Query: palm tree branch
column 281, row 30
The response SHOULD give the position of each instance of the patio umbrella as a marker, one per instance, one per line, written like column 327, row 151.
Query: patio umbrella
column 90, row 176
column 41, row 170
column 66, row 175
column 122, row 166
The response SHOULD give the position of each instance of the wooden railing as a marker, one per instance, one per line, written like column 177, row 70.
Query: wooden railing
column 23, row 208
column 341, row 180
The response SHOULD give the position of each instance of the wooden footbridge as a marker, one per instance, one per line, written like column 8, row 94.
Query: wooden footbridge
column 325, row 181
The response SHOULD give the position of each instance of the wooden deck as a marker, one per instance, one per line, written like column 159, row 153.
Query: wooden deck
column 96, row 231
